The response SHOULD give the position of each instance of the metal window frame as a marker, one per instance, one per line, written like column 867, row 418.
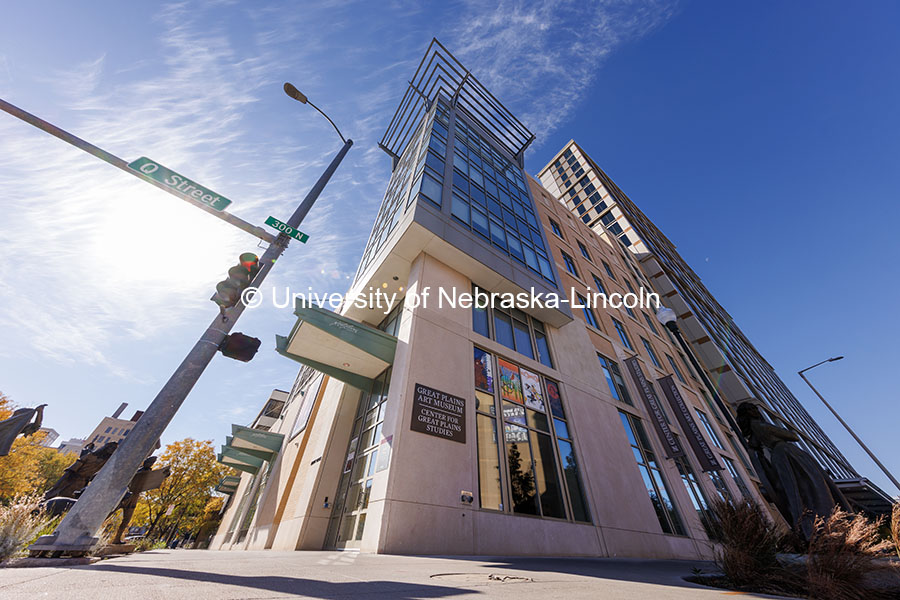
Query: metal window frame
column 440, row 73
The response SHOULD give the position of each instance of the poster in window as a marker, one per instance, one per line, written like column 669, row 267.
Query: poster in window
column 510, row 383
column 484, row 371
column 348, row 464
column 555, row 401
column 531, row 387
column 384, row 454
column 514, row 413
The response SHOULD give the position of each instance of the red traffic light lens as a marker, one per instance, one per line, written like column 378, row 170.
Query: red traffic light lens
column 248, row 259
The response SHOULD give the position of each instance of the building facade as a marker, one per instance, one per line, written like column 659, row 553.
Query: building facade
column 428, row 424
column 114, row 428
column 737, row 369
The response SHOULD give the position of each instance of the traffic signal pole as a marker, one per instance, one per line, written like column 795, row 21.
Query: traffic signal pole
column 115, row 161
column 77, row 532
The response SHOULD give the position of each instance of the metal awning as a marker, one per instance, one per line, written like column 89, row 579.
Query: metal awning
column 239, row 460
column 228, row 485
column 337, row 346
column 255, row 442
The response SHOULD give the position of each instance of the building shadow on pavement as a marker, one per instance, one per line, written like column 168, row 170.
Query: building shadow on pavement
column 652, row 571
column 294, row 585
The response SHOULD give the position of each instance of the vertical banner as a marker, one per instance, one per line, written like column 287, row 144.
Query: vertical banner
column 673, row 448
column 705, row 454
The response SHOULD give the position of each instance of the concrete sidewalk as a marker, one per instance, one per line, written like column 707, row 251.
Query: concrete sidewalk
column 206, row 575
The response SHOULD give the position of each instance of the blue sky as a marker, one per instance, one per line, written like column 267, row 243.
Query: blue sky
column 761, row 138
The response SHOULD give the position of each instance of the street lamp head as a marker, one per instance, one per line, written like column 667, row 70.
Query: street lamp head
column 666, row 315
column 835, row 358
column 294, row 93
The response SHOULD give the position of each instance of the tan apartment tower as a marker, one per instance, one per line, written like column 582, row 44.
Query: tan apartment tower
column 735, row 366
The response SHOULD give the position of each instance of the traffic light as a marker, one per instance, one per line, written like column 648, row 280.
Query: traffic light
column 239, row 346
column 228, row 292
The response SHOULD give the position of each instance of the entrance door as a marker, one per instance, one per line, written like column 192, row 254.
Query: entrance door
column 348, row 519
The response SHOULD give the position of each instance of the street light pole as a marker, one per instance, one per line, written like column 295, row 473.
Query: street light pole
column 844, row 423
column 667, row 317
column 76, row 533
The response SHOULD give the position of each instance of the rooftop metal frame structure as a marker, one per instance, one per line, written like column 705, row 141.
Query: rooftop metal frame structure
column 438, row 73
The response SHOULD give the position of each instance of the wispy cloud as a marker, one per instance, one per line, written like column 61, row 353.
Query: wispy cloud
column 206, row 106
column 542, row 57
column 103, row 271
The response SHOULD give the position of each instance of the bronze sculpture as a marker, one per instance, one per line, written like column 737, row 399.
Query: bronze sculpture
column 19, row 423
column 80, row 473
column 794, row 481
column 144, row 479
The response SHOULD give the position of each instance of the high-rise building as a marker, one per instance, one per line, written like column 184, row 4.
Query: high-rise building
column 451, row 406
column 738, row 370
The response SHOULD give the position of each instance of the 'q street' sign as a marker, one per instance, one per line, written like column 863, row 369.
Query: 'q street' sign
column 179, row 183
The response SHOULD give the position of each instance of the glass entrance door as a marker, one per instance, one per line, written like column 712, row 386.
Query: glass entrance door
column 348, row 520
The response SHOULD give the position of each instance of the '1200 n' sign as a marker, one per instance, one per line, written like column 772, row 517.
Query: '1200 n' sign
column 438, row 413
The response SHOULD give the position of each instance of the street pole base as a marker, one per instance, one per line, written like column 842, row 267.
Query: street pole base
column 46, row 546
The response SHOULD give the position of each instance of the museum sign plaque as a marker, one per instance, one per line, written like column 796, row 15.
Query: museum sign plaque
column 439, row 414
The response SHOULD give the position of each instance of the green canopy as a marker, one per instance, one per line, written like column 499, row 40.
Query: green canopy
column 228, row 485
column 255, row 442
column 239, row 460
column 337, row 346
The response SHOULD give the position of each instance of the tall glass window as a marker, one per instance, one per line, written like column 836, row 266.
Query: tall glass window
column 513, row 328
column 570, row 263
column 721, row 487
column 738, row 480
column 651, row 353
column 651, row 474
column 675, row 368
column 608, row 270
column 555, row 227
column 650, row 323
column 623, row 335
column 583, row 250
column 740, row 454
column 589, row 316
column 352, row 499
column 541, row 475
column 614, row 380
column 422, row 163
column 709, row 429
column 697, row 496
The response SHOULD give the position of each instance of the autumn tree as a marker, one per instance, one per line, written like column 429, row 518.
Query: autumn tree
column 187, row 490
column 30, row 468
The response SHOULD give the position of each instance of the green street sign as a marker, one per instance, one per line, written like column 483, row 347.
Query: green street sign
column 181, row 184
column 284, row 228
